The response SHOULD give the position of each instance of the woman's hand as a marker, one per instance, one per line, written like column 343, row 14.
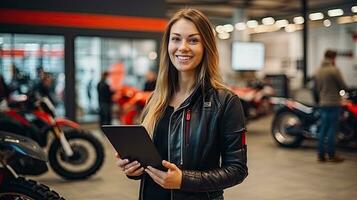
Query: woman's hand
column 169, row 180
column 129, row 168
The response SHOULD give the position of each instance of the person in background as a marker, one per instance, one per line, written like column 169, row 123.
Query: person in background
column 19, row 82
column 105, row 100
column 150, row 81
column 329, row 82
column 4, row 89
column 89, row 87
column 196, row 123
column 44, row 86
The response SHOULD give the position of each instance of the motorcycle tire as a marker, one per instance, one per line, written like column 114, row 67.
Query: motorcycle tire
column 21, row 188
column 279, row 133
column 58, row 160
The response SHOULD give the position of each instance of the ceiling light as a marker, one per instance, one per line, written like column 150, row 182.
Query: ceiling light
column 223, row 36
column 316, row 16
column 298, row 20
column 152, row 55
column 282, row 22
column 219, row 29
column 268, row 21
column 252, row 23
column 327, row 22
column 228, row 28
column 240, row 26
column 354, row 9
column 335, row 12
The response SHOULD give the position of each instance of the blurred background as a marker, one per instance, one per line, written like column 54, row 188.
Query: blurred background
column 269, row 50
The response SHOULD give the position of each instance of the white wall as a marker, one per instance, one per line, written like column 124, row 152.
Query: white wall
column 338, row 38
column 284, row 49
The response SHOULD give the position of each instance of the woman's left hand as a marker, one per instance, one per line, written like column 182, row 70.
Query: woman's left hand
column 168, row 180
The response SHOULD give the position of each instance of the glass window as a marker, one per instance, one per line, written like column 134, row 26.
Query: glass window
column 30, row 62
column 126, row 59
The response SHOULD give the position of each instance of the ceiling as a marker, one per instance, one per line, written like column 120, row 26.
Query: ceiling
column 222, row 11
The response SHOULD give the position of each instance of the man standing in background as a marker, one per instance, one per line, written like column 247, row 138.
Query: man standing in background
column 105, row 100
column 329, row 82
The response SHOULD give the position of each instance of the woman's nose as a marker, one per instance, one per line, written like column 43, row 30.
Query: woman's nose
column 183, row 45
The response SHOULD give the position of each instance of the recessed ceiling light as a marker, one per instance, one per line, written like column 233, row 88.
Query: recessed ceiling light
column 327, row 22
column 316, row 16
column 240, row 26
column 282, row 22
column 298, row 20
column 252, row 23
column 354, row 9
column 335, row 12
column 268, row 21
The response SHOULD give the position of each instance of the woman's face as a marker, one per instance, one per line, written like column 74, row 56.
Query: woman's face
column 185, row 46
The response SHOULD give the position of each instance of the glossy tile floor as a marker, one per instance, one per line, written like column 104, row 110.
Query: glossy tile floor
column 274, row 174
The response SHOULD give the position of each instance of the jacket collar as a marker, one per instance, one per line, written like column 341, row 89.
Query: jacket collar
column 199, row 90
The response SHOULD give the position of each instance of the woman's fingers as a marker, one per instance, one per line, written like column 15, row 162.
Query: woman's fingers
column 117, row 155
column 131, row 165
column 138, row 172
column 133, row 168
column 121, row 163
column 129, row 168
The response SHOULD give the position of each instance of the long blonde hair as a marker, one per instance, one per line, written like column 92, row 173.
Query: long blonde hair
column 167, row 80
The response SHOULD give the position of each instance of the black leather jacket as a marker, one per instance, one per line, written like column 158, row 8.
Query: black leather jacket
column 207, row 142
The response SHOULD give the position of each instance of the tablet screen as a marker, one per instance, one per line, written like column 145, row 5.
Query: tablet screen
column 134, row 143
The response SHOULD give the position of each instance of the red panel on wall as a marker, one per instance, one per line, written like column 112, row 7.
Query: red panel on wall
column 81, row 20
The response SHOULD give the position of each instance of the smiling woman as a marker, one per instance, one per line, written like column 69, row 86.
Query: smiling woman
column 185, row 46
column 195, row 122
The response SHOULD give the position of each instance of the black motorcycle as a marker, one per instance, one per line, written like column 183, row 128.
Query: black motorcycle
column 294, row 121
column 18, row 155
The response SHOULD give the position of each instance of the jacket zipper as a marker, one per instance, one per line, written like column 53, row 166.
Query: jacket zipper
column 182, row 138
column 142, row 188
column 168, row 148
column 187, row 127
column 169, row 139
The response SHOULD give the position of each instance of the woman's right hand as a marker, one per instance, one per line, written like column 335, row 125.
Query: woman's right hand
column 129, row 168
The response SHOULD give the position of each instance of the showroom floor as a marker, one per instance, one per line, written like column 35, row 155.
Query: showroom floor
column 274, row 173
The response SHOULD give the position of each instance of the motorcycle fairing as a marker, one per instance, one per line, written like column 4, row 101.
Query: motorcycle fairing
column 66, row 122
column 22, row 145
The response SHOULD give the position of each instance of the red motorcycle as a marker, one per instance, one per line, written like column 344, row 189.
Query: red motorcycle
column 131, row 102
column 255, row 99
column 73, row 154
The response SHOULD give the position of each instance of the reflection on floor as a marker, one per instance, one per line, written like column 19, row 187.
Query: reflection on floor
column 274, row 174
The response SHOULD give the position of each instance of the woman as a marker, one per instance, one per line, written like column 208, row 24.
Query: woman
column 196, row 123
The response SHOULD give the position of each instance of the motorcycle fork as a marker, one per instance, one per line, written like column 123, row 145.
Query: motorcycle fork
column 60, row 136
column 64, row 142
column 3, row 164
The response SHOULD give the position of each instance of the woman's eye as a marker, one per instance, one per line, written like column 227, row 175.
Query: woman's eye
column 175, row 39
column 193, row 40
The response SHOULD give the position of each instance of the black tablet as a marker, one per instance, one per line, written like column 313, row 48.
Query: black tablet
column 134, row 143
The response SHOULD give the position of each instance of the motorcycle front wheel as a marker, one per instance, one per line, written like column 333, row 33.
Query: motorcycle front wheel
column 87, row 159
column 285, row 129
column 23, row 189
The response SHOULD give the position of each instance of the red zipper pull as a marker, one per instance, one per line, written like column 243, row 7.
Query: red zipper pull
column 188, row 115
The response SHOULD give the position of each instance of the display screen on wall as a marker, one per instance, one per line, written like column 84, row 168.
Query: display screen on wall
column 248, row 56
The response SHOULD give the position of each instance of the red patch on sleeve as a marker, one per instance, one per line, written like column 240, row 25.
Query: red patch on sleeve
column 244, row 142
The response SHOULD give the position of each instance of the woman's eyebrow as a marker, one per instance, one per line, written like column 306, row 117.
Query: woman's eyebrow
column 194, row 34
column 191, row 35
